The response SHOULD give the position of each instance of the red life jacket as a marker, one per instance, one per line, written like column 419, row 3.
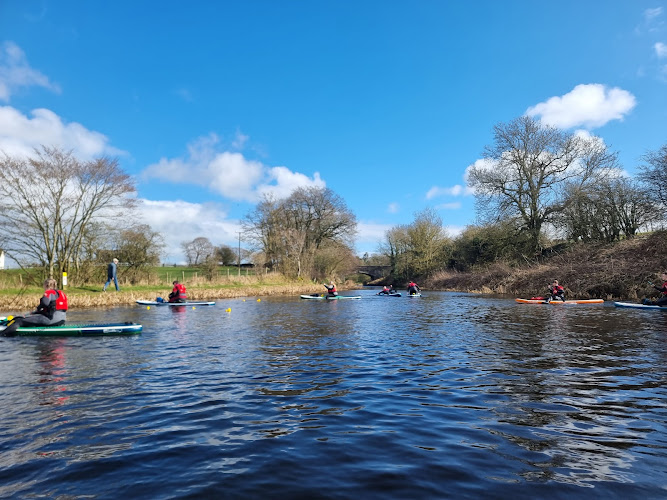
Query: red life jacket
column 179, row 291
column 61, row 301
column 664, row 288
column 557, row 289
column 59, row 297
column 57, row 302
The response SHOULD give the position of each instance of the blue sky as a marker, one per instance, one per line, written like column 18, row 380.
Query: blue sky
column 211, row 104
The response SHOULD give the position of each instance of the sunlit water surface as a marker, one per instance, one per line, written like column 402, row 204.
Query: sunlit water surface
column 445, row 396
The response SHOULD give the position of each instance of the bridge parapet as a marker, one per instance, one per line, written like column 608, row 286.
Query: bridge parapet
column 375, row 272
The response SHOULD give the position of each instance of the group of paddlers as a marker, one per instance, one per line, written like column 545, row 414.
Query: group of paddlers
column 52, row 307
column 412, row 289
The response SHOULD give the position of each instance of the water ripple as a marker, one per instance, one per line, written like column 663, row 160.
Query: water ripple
column 447, row 396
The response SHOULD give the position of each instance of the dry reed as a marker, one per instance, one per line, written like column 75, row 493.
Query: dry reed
column 609, row 271
column 20, row 304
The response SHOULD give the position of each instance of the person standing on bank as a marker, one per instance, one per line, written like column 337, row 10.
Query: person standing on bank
column 112, row 273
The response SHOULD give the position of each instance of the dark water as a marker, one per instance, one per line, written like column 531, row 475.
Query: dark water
column 447, row 396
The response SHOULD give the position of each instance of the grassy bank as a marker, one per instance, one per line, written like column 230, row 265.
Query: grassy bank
column 20, row 300
column 619, row 271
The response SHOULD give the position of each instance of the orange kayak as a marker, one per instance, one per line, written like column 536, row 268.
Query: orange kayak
column 560, row 302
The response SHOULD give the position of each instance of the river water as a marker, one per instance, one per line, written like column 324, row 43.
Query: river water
column 445, row 396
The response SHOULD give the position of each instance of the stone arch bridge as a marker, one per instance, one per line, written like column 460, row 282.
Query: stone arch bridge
column 375, row 272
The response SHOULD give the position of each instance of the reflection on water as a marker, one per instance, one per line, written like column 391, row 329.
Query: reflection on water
column 52, row 372
column 450, row 395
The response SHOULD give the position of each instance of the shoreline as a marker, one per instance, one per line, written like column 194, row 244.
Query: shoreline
column 20, row 304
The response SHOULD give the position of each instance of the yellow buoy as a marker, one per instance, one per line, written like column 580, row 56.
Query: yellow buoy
column 148, row 307
column 229, row 309
column 259, row 300
column 193, row 307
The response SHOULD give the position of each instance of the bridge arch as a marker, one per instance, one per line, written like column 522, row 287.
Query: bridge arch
column 374, row 272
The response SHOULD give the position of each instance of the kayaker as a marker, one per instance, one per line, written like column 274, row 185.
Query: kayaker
column 385, row 291
column 331, row 288
column 413, row 288
column 662, row 300
column 557, row 292
column 178, row 294
column 51, row 310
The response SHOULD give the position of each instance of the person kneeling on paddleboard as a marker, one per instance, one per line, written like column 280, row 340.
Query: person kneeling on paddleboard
column 662, row 300
column 51, row 310
column 413, row 288
column 331, row 288
column 557, row 292
column 178, row 294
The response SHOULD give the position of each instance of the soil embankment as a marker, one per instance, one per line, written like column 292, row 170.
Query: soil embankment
column 618, row 271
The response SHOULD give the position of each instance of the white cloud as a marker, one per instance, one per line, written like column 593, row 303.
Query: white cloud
column 370, row 236
column 449, row 206
column 453, row 231
column 652, row 21
column 393, row 208
column 20, row 134
column 194, row 220
column 589, row 106
column 652, row 13
column 240, row 140
column 660, row 50
column 229, row 174
column 482, row 163
column 16, row 73
column 283, row 181
column 436, row 191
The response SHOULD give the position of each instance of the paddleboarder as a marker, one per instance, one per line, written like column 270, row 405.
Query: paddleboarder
column 51, row 310
column 413, row 288
column 557, row 292
column 662, row 300
column 178, row 293
column 331, row 289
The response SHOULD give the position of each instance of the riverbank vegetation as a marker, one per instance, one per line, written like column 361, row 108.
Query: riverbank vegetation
column 611, row 271
column 21, row 298
column 550, row 205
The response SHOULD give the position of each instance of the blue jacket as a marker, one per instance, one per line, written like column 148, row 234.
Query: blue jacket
column 111, row 270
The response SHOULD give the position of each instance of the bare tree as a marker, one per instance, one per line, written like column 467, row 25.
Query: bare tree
column 139, row 247
column 262, row 229
column 417, row 249
column 198, row 250
column 51, row 201
column 291, row 232
column 614, row 207
column 529, row 166
column 654, row 174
